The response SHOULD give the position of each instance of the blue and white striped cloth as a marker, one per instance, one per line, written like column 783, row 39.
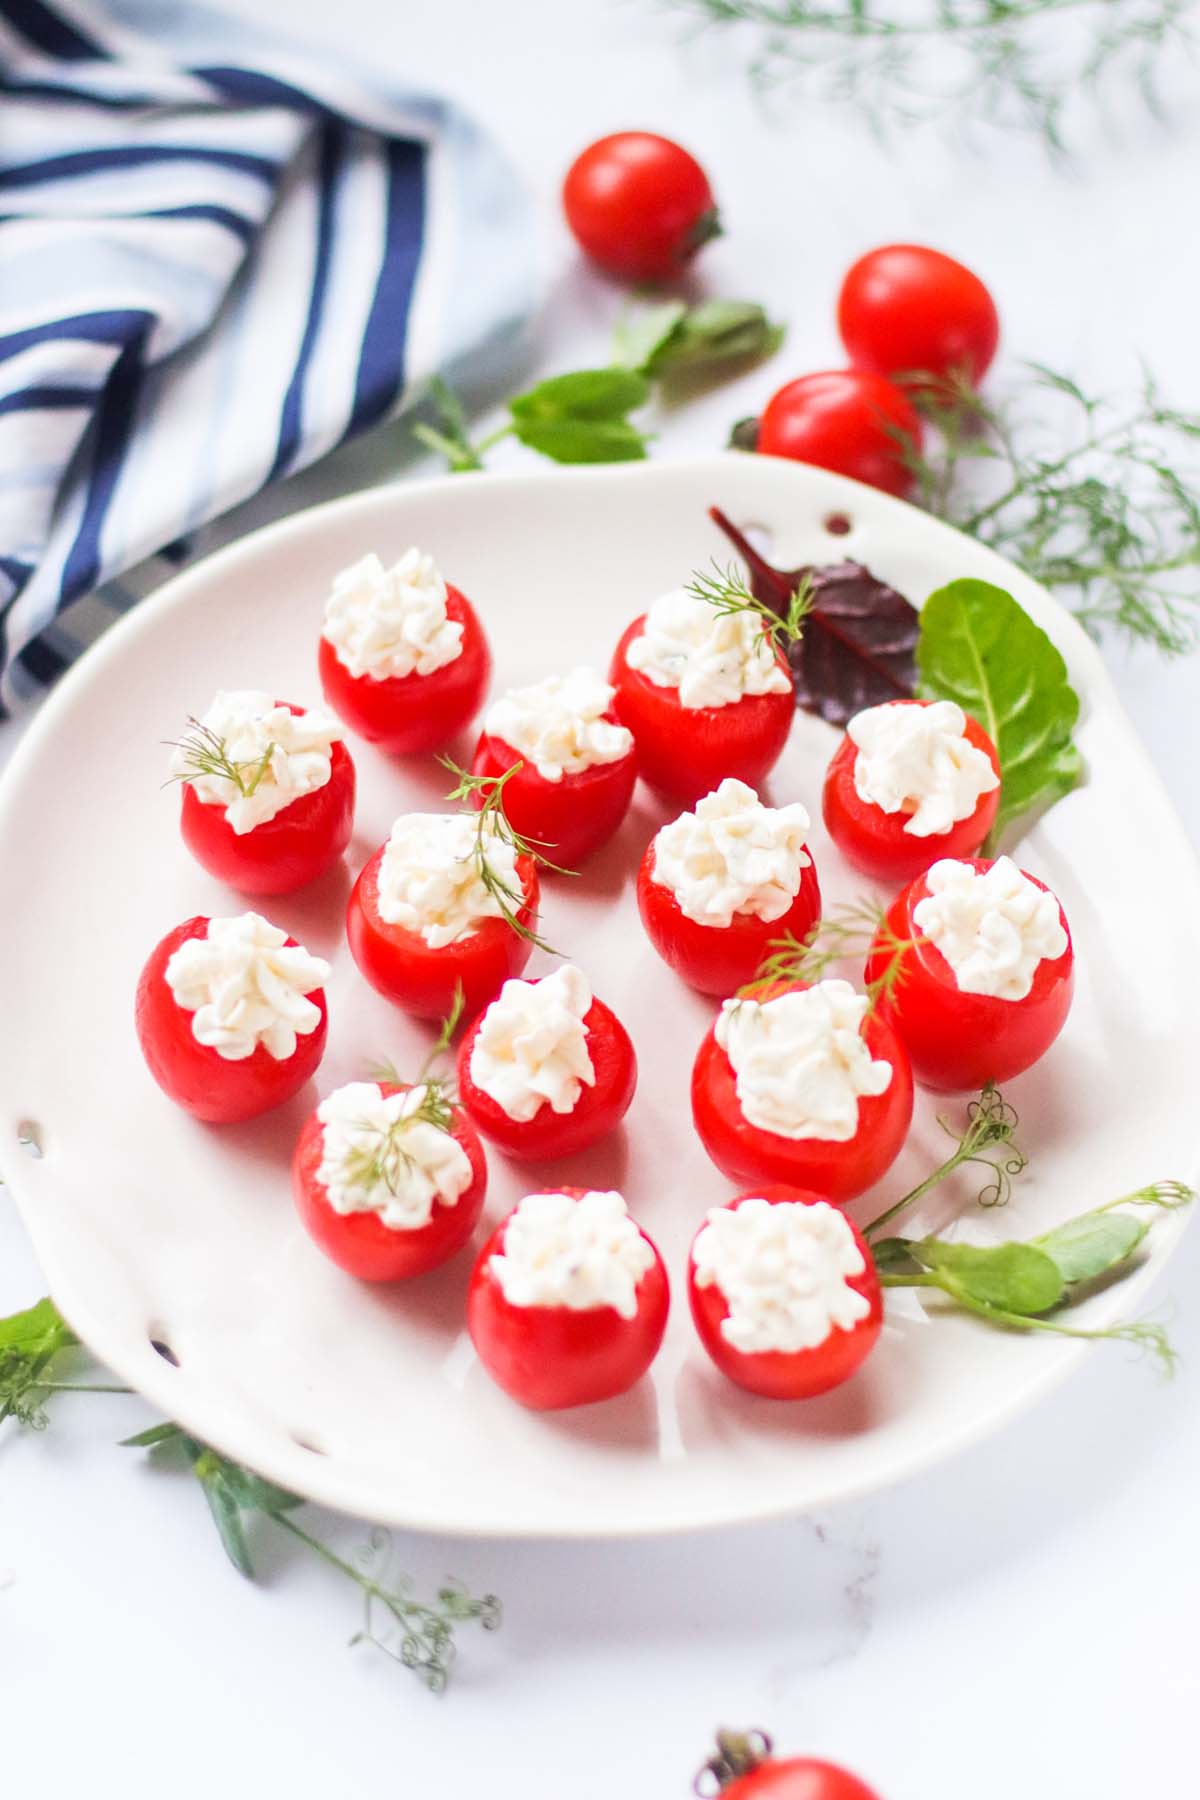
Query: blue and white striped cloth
column 219, row 258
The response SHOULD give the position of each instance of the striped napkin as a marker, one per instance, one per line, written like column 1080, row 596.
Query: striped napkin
column 220, row 257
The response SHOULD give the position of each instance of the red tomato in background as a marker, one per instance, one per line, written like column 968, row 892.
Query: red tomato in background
column 847, row 420
column 405, row 714
column 283, row 853
column 840, row 1171
column 547, row 1357
column 905, row 309
column 956, row 1041
column 719, row 959
column 798, row 1778
column 789, row 1374
column 400, row 965
column 360, row 1243
column 639, row 205
column 568, row 818
column 598, row 1110
column 195, row 1075
column 684, row 752
column 876, row 841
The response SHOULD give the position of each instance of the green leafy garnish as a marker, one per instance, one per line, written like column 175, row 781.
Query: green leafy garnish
column 988, row 1140
column 491, row 825
column 726, row 590
column 673, row 340
column 583, row 418
column 847, row 932
column 979, row 648
column 203, row 752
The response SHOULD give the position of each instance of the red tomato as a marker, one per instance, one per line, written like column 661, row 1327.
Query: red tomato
column 684, row 752
column 405, row 714
column 746, row 1153
column 959, row 1041
column 639, row 205
column 875, row 841
column 548, row 1357
column 598, row 1110
column 361, row 1243
column 718, row 959
column 568, row 818
column 780, row 1374
column 905, row 309
column 847, row 420
column 400, row 965
column 197, row 1077
column 283, row 853
column 798, row 1778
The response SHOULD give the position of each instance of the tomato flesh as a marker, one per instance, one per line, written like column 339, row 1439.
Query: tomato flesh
column 718, row 959
column 406, row 714
column 906, row 309
column 848, row 420
column 639, row 204
column 955, row 1041
column 570, row 818
column 197, row 1077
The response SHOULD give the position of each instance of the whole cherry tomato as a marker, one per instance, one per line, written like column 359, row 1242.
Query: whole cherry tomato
column 743, row 1768
column 568, row 819
column 405, row 714
column 906, row 309
column 719, row 959
column 639, row 205
column 848, row 420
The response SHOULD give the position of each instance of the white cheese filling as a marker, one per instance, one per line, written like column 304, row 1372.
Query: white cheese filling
column 783, row 1270
column 580, row 1254
column 531, row 1048
column 558, row 724
column 245, row 985
column 270, row 755
column 388, row 623
column 712, row 658
column 919, row 760
column 378, row 1155
column 733, row 855
column 431, row 878
column 800, row 1062
column 994, row 928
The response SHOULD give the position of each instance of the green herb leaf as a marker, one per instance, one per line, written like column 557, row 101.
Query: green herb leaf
column 893, row 1256
column 1087, row 1247
column 979, row 648
column 254, row 1493
column 1016, row 1278
column 223, row 1506
column 640, row 335
column 588, row 394
column 712, row 334
column 37, row 1328
column 582, row 440
column 153, row 1435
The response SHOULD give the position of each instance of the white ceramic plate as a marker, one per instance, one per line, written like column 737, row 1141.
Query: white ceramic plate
column 151, row 1227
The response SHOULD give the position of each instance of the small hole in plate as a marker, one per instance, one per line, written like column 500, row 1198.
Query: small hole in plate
column 760, row 536
column 163, row 1349
column 29, row 1136
column 309, row 1443
column 838, row 524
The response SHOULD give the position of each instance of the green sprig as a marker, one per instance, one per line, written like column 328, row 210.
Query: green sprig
column 847, row 932
column 492, row 824
column 988, row 1140
column 206, row 753
column 727, row 591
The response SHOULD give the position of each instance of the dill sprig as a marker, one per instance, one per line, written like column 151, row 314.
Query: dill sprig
column 492, row 824
column 848, row 932
column 726, row 590
column 1111, row 521
column 987, row 1139
column 1004, row 63
column 384, row 1159
column 206, row 753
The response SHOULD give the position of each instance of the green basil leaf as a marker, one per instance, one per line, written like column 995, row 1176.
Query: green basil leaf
column 153, row 1434
column 716, row 332
column 641, row 335
column 582, row 440
column 587, row 394
column 1018, row 1278
column 979, row 648
column 1090, row 1245
column 228, row 1521
column 39, row 1328
column 256, row 1493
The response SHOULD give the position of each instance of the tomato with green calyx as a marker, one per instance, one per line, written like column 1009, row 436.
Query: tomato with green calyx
column 849, row 420
column 640, row 205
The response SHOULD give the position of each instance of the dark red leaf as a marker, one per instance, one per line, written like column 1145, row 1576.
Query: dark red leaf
column 859, row 642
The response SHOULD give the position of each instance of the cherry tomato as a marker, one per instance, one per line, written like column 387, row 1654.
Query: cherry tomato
column 718, row 959
column 405, row 714
column 905, row 309
column 360, row 1243
column 598, row 1110
column 847, row 420
column 283, row 853
column 568, row 818
column 547, row 1357
column 958, row 1041
column 797, row 1778
column 400, row 965
column 639, row 205
column 684, row 752
column 839, row 1170
column 197, row 1077
column 796, row 1374
column 876, row 841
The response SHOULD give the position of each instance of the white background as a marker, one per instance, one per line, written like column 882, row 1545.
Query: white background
column 1019, row 1623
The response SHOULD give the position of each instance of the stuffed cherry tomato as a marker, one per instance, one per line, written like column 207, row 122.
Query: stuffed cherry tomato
column 547, row 1069
column 804, row 1086
column 744, row 1769
column 982, row 971
column 847, row 420
column 573, row 763
column 403, row 658
column 784, row 1293
column 911, row 781
column 446, row 903
column 568, row 1301
column 268, row 792
column 718, row 884
column 639, row 205
column 705, row 693
column 231, row 1016
column 905, row 309
column 389, row 1180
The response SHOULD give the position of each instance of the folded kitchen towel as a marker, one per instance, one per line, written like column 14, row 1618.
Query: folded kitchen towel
column 220, row 256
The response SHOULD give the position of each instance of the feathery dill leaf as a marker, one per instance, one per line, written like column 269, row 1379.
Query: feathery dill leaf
column 205, row 753
column 726, row 590
column 492, row 823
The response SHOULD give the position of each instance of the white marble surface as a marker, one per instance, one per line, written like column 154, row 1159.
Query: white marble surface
column 1020, row 1622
